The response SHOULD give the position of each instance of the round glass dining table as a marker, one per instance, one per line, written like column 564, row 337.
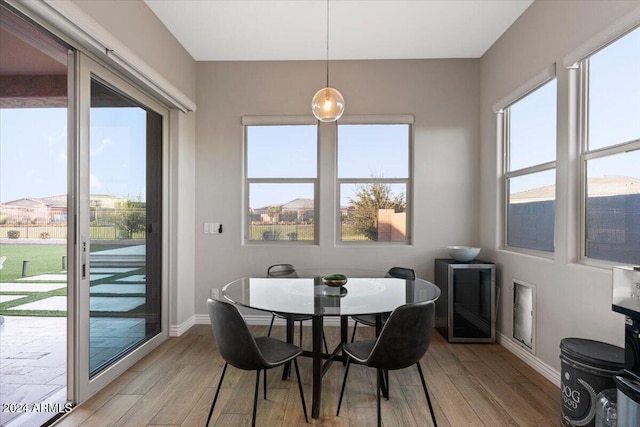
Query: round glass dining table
column 310, row 296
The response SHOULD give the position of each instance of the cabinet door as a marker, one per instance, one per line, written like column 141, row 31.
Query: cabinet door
column 472, row 301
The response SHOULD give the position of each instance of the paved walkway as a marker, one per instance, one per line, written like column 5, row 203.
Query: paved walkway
column 33, row 363
column 33, row 350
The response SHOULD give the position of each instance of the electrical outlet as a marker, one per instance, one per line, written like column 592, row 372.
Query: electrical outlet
column 215, row 293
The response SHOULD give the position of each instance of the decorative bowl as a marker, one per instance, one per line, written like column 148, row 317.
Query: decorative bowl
column 463, row 253
column 335, row 280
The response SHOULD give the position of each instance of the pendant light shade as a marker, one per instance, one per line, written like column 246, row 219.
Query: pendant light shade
column 327, row 104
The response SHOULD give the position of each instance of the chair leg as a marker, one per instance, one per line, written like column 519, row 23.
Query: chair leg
column 344, row 383
column 355, row 326
column 264, row 382
column 386, row 383
column 273, row 317
column 379, row 383
column 304, row 406
column 324, row 338
column 255, row 399
column 300, row 334
column 426, row 393
column 224, row 370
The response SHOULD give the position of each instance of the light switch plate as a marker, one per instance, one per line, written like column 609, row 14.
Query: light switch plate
column 212, row 228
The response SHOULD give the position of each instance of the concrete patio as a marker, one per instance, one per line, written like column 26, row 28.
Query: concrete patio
column 33, row 363
column 33, row 349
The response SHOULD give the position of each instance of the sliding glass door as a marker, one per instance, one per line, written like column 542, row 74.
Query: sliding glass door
column 33, row 221
column 83, row 274
column 120, row 257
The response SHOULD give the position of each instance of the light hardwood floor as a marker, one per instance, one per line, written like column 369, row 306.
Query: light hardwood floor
column 469, row 384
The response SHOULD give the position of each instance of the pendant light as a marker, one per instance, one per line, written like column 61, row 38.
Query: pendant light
column 327, row 104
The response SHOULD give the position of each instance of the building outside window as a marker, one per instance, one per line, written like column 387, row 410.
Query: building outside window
column 610, row 151
column 374, row 171
column 281, row 182
column 529, row 136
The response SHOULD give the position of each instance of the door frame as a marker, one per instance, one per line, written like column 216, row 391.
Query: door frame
column 80, row 385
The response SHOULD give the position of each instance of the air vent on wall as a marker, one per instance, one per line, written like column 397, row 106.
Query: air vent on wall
column 524, row 295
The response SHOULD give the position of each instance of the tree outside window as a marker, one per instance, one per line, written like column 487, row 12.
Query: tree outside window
column 373, row 177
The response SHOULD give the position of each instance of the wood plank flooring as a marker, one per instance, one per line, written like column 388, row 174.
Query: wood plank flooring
column 469, row 384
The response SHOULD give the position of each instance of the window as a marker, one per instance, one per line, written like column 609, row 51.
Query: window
column 610, row 155
column 373, row 182
column 281, row 179
column 530, row 146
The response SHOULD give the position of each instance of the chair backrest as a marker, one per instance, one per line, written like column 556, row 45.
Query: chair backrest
column 401, row 273
column 405, row 337
column 233, row 338
column 282, row 270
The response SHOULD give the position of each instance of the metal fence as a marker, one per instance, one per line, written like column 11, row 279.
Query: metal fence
column 305, row 232
column 44, row 232
column 105, row 224
column 33, row 231
column 350, row 233
column 106, row 228
column 262, row 231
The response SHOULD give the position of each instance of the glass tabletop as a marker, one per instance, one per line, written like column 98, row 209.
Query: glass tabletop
column 311, row 296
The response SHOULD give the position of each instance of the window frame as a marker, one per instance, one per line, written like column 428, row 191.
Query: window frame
column 585, row 155
column 504, row 126
column 408, row 181
column 249, row 121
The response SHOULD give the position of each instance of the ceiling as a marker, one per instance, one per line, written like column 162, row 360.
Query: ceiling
column 270, row 30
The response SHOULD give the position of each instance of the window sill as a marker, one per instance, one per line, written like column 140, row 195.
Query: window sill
column 528, row 252
column 599, row 264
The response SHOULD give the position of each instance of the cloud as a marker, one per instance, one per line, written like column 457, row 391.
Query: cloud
column 101, row 145
column 94, row 182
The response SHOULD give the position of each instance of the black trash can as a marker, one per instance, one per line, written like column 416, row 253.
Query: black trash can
column 587, row 368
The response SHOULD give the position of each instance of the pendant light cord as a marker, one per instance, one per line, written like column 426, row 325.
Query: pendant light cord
column 327, row 43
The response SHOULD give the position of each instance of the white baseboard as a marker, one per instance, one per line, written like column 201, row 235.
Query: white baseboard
column 538, row 365
column 202, row 319
column 177, row 330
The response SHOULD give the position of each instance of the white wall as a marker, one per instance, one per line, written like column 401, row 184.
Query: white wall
column 572, row 299
column 140, row 30
column 442, row 94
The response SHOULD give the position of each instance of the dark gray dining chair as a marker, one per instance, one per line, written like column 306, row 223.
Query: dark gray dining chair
column 288, row 270
column 403, row 341
column 240, row 349
column 370, row 319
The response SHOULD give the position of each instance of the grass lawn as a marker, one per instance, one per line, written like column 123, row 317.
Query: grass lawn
column 43, row 259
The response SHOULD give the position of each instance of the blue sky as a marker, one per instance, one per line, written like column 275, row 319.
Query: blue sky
column 118, row 152
column 614, row 117
column 33, row 152
column 33, row 142
column 364, row 151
